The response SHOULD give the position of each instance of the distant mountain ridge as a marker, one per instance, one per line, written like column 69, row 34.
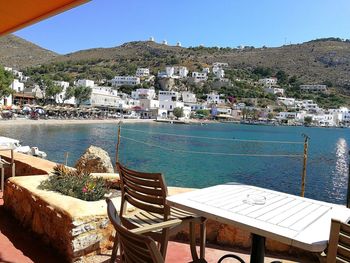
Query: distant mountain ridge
column 315, row 61
column 18, row 53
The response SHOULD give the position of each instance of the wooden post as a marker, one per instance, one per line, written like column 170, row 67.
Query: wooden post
column 117, row 146
column 348, row 192
column 303, row 175
column 66, row 154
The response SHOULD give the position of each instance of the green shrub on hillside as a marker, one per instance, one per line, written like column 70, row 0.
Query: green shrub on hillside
column 78, row 184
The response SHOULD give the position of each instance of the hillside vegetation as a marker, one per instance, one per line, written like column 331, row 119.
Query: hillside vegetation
column 323, row 61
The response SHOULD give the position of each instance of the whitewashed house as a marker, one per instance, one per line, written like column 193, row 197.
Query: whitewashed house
column 324, row 120
column 85, row 83
column 268, row 81
column 199, row 76
column 274, row 90
column 290, row 117
column 214, row 98
column 313, row 88
column 142, row 72
column 188, row 97
column 17, row 86
column 168, row 95
column 103, row 97
column 118, row 81
column 143, row 94
column 289, row 102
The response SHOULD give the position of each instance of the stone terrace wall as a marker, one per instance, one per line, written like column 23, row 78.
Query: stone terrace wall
column 74, row 227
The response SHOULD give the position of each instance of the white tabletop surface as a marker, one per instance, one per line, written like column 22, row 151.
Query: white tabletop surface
column 290, row 219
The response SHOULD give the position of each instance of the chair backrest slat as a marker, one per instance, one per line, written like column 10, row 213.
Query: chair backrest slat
column 343, row 252
column 141, row 188
column 339, row 242
column 134, row 248
column 146, row 182
column 144, row 206
column 344, row 240
column 147, row 198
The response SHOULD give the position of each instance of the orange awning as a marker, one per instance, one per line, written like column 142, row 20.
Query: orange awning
column 16, row 14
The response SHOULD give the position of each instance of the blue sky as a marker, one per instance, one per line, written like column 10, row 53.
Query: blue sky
column 108, row 23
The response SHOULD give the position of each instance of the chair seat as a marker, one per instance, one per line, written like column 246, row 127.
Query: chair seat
column 142, row 217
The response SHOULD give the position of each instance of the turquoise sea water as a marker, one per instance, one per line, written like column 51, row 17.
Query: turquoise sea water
column 327, row 167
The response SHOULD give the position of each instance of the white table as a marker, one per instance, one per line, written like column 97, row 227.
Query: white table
column 293, row 220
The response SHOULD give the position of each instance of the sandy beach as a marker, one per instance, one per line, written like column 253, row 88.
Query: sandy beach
column 65, row 122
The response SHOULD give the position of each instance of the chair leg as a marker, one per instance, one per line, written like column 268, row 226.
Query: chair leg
column 203, row 237
column 164, row 242
column 193, row 241
column 114, row 249
column 2, row 179
column 13, row 170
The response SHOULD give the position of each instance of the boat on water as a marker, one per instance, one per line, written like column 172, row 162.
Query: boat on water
column 6, row 142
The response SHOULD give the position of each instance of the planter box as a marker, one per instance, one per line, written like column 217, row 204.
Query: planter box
column 76, row 228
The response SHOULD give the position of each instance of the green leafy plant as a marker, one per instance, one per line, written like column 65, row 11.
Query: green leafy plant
column 75, row 183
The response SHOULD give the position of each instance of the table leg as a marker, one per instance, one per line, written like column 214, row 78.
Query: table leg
column 257, row 253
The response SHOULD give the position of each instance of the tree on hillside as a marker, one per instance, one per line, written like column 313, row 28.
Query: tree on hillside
column 82, row 94
column 5, row 81
column 51, row 90
column 69, row 93
column 178, row 112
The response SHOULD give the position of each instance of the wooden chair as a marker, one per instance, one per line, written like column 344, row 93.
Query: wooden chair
column 148, row 192
column 136, row 248
column 4, row 164
column 339, row 243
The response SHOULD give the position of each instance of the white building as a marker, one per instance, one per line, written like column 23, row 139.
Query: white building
column 307, row 105
column 170, row 105
column 174, row 72
column 324, row 120
column 220, row 64
column 214, row 98
column 289, row 102
column 274, row 90
column 85, row 83
column 181, row 71
column 290, row 116
column 143, row 94
column 188, row 97
column 104, row 97
column 17, row 86
column 268, row 81
column 199, row 76
column 125, row 80
column 313, row 88
column 142, row 72
column 149, row 104
column 164, row 95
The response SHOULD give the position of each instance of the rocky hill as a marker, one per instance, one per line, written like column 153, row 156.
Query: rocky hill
column 313, row 62
column 18, row 53
column 317, row 61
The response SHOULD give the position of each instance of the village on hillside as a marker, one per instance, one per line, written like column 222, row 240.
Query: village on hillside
column 107, row 99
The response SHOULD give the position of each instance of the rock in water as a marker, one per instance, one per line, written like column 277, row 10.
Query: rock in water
column 95, row 160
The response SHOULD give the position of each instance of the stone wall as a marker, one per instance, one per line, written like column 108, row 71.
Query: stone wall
column 74, row 227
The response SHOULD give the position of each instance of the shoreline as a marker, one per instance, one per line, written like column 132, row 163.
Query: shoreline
column 19, row 122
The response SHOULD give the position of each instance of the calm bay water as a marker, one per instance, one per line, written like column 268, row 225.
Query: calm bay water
column 192, row 166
